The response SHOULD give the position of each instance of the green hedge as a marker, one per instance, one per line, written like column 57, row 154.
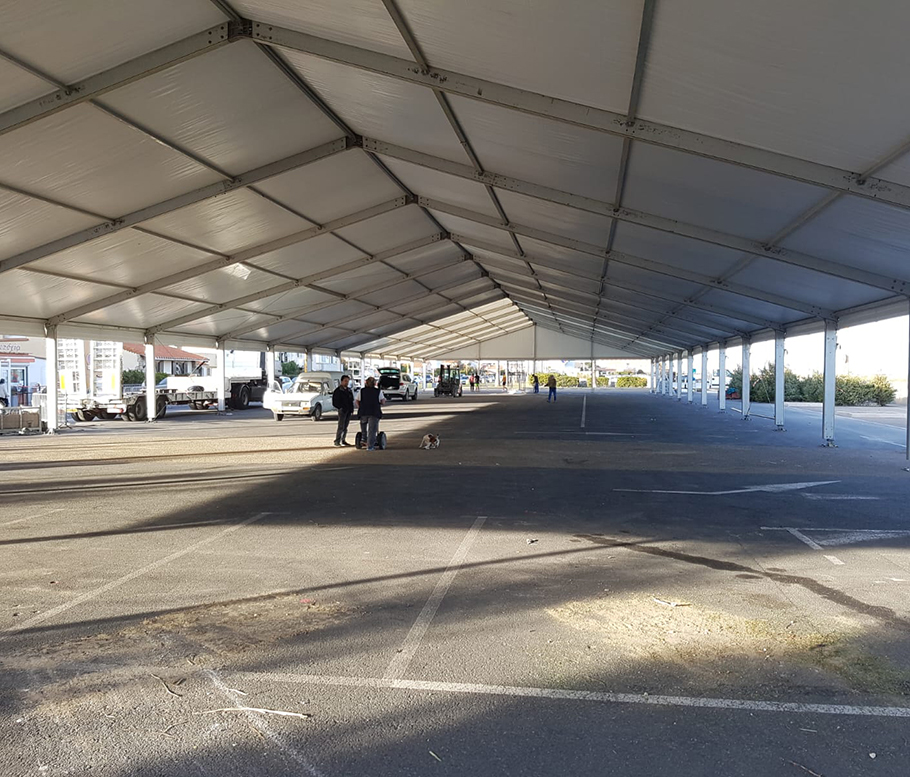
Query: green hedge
column 631, row 381
column 137, row 377
column 849, row 390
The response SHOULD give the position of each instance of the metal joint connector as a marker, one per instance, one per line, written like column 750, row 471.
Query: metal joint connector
column 242, row 28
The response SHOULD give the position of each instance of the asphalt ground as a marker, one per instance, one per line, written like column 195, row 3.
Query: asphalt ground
column 619, row 583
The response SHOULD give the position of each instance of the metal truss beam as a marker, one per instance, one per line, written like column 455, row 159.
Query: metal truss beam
column 120, row 75
column 389, row 308
column 640, row 218
column 354, row 295
column 369, row 344
column 176, row 203
column 629, row 333
column 308, row 281
column 642, row 305
column 441, row 353
column 668, row 334
column 628, row 259
column 420, row 322
column 245, row 256
column 586, row 116
column 569, row 269
column 611, row 341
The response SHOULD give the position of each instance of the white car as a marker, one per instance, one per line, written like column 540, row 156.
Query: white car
column 309, row 395
column 394, row 383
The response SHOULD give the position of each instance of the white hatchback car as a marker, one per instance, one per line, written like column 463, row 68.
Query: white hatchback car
column 309, row 395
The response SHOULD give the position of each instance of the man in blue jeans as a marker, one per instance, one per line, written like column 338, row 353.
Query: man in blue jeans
column 369, row 404
column 551, row 384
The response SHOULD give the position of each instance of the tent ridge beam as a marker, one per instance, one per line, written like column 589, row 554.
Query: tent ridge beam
column 628, row 259
column 586, row 116
column 176, row 203
column 640, row 218
column 227, row 261
column 120, row 75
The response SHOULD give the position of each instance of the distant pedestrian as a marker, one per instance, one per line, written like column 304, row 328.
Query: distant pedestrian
column 536, row 384
column 4, row 393
column 503, row 381
column 369, row 403
column 343, row 402
column 551, row 384
column 471, row 382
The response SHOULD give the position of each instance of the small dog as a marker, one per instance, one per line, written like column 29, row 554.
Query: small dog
column 430, row 441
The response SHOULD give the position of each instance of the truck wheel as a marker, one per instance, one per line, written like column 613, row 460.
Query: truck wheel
column 196, row 405
column 107, row 415
column 278, row 416
column 317, row 413
column 81, row 415
column 139, row 410
column 160, row 407
column 240, row 400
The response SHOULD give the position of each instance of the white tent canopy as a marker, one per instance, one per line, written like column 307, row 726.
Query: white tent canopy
column 642, row 175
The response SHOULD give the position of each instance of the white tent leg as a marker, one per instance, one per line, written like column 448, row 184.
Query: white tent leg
column 704, row 377
column 829, row 382
column 151, row 405
column 221, row 372
column 908, row 408
column 722, row 377
column 689, row 380
column 51, row 366
column 668, row 373
column 679, row 376
column 270, row 367
column 747, row 379
column 779, row 387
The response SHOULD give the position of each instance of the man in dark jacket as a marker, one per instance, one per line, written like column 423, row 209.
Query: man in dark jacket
column 343, row 402
column 369, row 403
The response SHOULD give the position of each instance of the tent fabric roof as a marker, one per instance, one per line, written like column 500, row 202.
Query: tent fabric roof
column 421, row 175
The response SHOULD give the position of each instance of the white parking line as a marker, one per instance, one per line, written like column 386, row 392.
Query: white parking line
column 95, row 593
column 588, row 696
column 803, row 538
column 258, row 721
column 32, row 517
column 399, row 665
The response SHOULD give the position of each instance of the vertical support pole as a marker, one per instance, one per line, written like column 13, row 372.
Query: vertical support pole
column 779, row 388
column 222, row 375
column 907, row 447
column 704, row 377
column 363, row 377
column 52, row 367
column 679, row 376
column 830, row 382
column 651, row 374
column 668, row 373
column 269, row 366
column 151, row 401
column 722, row 377
column 689, row 379
column 747, row 377
column 593, row 369
column 308, row 360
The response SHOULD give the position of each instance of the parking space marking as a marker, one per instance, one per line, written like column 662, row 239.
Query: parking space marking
column 259, row 723
column 32, row 517
column 803, row 538
column 603, row 697
column 110, row 586
column 399, row 664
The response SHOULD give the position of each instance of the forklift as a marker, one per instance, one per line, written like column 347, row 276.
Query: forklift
column 449, row 383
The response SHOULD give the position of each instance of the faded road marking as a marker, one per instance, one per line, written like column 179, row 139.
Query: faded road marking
column 398, row 665
column 94, row 594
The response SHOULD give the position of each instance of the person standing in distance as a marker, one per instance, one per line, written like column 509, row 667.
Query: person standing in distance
column 551, row 384
column 536, row 384
column 343, row 402
column 369, row 403
column 4, row 393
